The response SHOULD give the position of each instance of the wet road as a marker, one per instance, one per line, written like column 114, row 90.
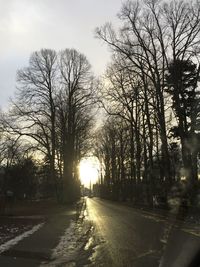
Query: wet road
column 127, row 237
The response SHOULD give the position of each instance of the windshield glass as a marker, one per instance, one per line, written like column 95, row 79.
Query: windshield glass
column 100, row 133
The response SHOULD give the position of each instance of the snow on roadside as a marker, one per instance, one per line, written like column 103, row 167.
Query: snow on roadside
column 71, row 243
column 67, row 242
column 18, row 238
column 68, row 247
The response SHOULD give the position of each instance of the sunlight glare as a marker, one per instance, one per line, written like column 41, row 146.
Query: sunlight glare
column 89, row 171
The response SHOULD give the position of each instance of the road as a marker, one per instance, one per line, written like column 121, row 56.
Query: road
column 123, row 237
column 106, row 234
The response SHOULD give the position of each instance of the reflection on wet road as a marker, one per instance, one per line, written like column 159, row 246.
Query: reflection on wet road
column 126, row 237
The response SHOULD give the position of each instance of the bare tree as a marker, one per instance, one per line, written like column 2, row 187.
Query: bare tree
column 152, row 34
column 74, row 113
column 33, row 112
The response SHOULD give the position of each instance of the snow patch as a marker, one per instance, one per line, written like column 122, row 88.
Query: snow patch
column 15, row 240
column 66, row 242
column 71, row 243
column 66, row 250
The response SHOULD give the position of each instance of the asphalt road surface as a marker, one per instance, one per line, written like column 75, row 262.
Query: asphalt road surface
column 123, row 237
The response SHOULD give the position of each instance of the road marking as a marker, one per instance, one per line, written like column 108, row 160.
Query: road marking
column 18, row 238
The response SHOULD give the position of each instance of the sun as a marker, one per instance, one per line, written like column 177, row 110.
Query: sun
column 89, row 171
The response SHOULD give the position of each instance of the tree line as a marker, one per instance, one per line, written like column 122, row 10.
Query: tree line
column 51, row 114
column 150, row 139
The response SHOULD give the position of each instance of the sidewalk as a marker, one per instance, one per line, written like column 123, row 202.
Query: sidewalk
column 37, row 247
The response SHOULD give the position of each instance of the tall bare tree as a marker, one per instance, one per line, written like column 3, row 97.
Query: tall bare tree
column 53, row 110
column 153, row 33
column 74, row 112
column 33, row 113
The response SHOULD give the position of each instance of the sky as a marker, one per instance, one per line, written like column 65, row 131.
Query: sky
column 29, row 25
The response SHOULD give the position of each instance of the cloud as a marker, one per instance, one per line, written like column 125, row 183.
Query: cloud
column 29, row 25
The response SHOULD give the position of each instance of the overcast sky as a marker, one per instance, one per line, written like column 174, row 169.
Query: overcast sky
column 29, row 25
